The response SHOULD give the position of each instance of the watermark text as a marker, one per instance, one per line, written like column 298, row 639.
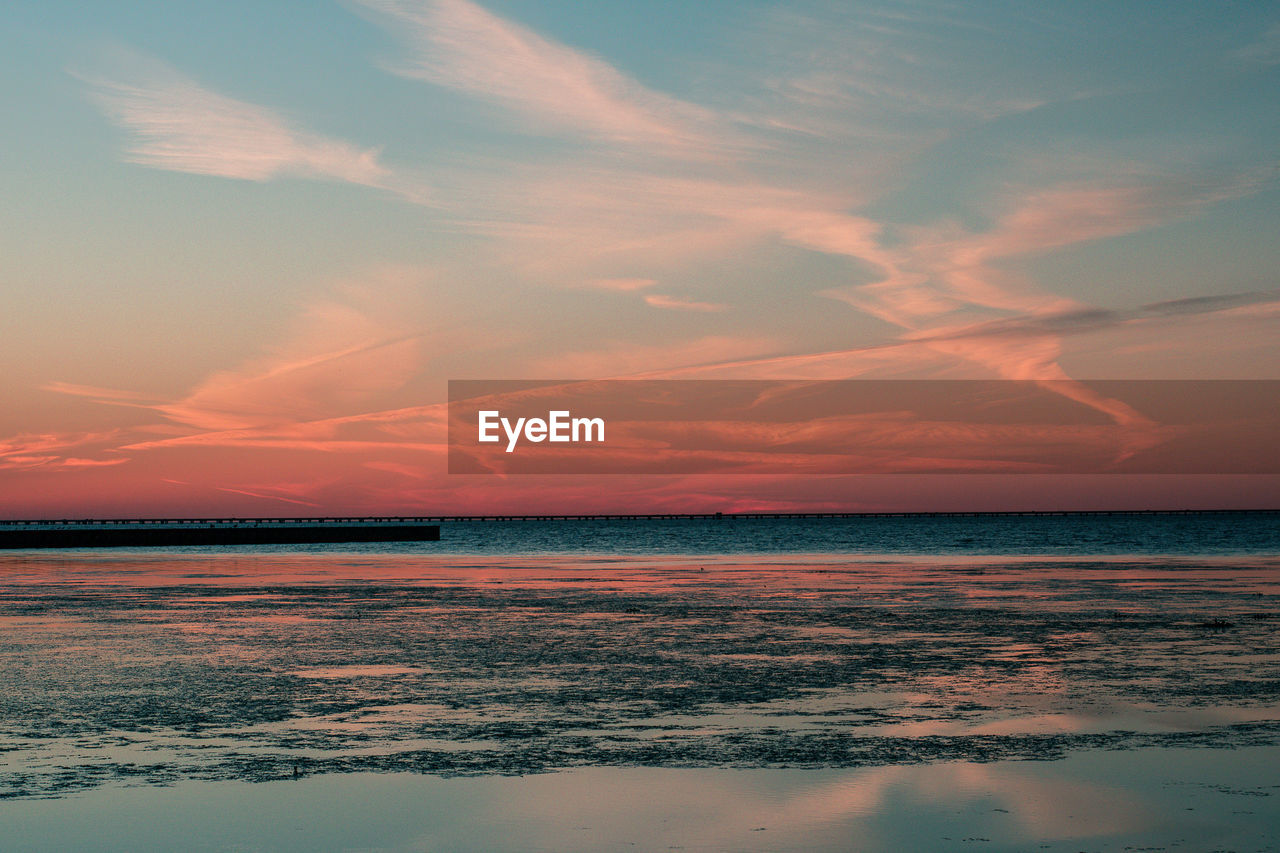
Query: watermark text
column 558, row 426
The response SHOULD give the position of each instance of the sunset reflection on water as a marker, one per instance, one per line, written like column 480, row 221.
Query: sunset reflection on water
column 914, row 674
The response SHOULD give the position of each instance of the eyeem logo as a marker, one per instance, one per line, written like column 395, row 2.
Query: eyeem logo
column 559, row 426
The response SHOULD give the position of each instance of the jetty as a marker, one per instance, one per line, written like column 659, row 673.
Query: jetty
column 168, row 532
column 157, row 532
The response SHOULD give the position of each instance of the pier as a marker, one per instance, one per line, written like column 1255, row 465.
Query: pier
column 156, row 532
column 168, row 532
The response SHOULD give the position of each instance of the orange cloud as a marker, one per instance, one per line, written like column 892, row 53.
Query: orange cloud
column 658, row 300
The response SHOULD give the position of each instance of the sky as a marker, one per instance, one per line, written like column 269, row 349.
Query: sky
column 246, row 245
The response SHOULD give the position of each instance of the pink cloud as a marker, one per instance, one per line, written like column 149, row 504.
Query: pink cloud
column 266, row 496
column 342, row 353
column 181, row 126
column 658, row 300
column 647, row 359
column 623, row 284
column 102, row 395
column 463, row 46
column 50, row 450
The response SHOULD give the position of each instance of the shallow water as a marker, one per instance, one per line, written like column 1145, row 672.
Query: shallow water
column 136, row 669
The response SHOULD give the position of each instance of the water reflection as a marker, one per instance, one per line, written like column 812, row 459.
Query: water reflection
column 1155, row 799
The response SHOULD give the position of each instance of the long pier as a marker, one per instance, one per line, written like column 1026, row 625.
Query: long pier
column 366, row 520
column 749, row 516
column 165, row 532
column 156, row 532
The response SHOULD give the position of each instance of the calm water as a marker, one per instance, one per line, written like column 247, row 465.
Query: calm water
column 1172, row 799
column 1195, row 534
column 1209, row 534
column 798, row 684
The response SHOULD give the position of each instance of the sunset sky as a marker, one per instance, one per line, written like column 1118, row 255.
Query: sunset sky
column 245, row 245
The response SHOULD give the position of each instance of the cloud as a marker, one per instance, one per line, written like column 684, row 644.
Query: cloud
column 648, row 359
column 288, row 387
column 1210, row 304
column 944, row 288
column 413, row 472
column 622, row 284
column 1265, row 50
column 879, row 81
column 417, row 429
column 343, row 352
column 49, row 450
column 1088, row 320
column 962, row 350
column 598, row 222
column 264, row 495
column 658, row 300
column 462, row 46
column 1068, row 214
column 101, row 395
column 178, row 125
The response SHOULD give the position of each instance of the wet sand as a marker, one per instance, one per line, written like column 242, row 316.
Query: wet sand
column 203, row 671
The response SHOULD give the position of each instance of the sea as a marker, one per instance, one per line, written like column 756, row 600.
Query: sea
column 1075, row 682
column 928, row 535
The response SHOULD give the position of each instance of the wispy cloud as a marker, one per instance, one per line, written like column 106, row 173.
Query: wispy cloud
column 882, row 80
column 1089, row 320
column 1208, row 304
column 1265, row 50
column 55, row 450
column 103, row 395
column 658, row 300
column 265, row 495
column 622, row 284
column 948, row 288
column 624, row 359
column 463, row 46
column 342, row 353
column 921, row 353
column 179, row 125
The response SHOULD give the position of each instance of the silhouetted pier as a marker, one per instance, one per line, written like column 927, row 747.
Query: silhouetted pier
column 165, row 532
column 145, row 532
column 748, row 516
